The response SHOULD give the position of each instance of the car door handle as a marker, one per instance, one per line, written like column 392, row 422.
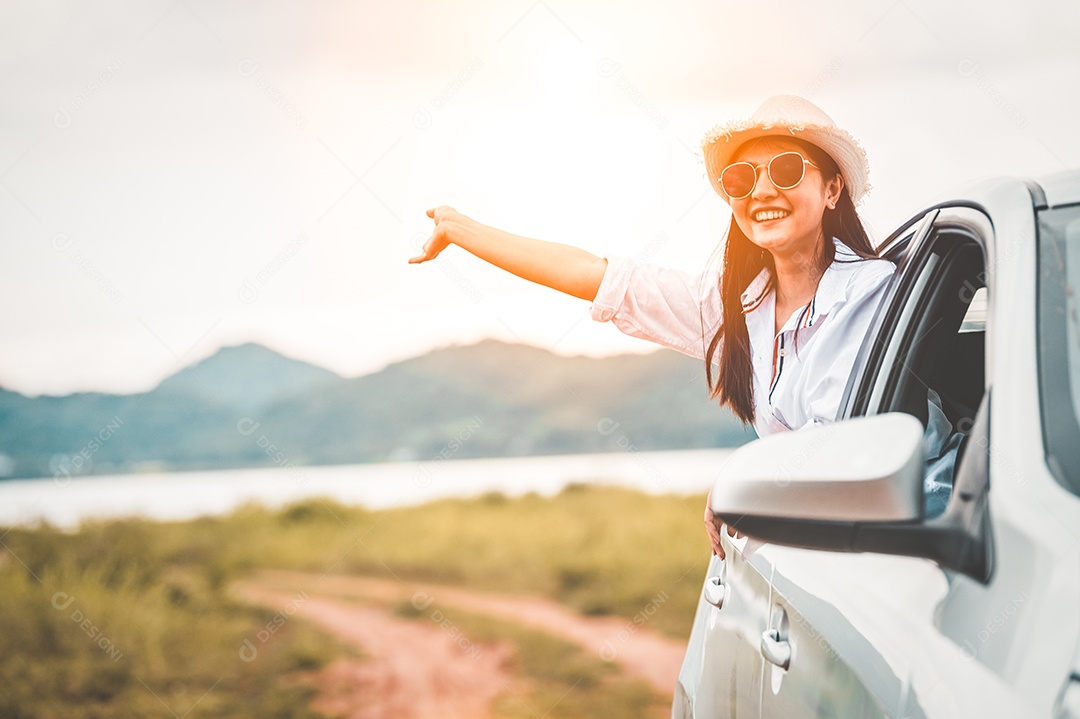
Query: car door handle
column 715, row 591
column 774, row 649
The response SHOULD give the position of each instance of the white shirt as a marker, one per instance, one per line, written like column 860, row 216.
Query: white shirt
column 792, row 390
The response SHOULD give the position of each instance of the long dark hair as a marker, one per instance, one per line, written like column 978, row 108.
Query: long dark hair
column 733, row 384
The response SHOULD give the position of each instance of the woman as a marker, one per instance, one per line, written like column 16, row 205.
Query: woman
column 780, row 323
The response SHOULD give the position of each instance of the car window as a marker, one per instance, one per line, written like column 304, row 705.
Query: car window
column 1059, row 341
column 897, row 248
column 927, row 355
column 930, row 332
column 931, row 352
column 975, row 318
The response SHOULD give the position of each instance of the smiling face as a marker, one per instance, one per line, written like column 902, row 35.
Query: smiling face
column 787, row 223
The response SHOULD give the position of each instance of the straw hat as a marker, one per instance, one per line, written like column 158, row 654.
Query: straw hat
column 788, row 116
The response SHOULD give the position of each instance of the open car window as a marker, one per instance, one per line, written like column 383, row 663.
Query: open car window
column 929, row 333
column 925, row 354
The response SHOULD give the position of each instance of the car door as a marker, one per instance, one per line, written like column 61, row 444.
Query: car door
column 734, row 663
column 860, row 628
column 823, row 651
column 873, row 634
column 722, row 669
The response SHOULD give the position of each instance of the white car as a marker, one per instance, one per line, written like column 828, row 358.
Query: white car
column 846, row 601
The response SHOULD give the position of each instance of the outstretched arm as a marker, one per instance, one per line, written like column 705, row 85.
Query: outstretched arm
column 560, row 267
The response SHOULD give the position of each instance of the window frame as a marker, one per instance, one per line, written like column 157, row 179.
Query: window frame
column 904, row 306
column 897, row 248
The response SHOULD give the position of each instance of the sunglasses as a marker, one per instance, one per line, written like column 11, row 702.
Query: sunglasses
column 786, row 171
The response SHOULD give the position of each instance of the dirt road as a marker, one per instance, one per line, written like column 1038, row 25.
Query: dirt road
column 424, row 669
column 415, row 669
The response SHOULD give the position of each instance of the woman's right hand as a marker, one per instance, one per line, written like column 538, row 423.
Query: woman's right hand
column 714, row 527
column 560, row 267
column 447, row 221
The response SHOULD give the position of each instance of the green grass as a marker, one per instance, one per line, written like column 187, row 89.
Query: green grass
column 600, row 550
column 103, row 638
column 154, row 595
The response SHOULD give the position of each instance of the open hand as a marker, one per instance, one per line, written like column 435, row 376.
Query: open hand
column 447, row 220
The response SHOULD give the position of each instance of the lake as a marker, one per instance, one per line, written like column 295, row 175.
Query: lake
column 185, row 495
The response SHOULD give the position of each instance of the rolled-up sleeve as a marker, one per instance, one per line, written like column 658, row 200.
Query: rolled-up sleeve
column 669, row 307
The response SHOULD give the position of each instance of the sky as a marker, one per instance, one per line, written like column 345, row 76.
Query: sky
column 181, row 175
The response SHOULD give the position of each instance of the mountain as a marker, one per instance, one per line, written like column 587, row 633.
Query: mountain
column 246, row 377
column 249, row 406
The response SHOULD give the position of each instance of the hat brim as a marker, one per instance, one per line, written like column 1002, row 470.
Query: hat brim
column 720, row 144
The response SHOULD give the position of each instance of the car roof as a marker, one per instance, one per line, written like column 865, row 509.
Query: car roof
column 1061, row 188
column 1053, row 190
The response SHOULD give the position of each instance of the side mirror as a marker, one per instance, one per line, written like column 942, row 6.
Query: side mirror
column 857, row 486
column 868, row 469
